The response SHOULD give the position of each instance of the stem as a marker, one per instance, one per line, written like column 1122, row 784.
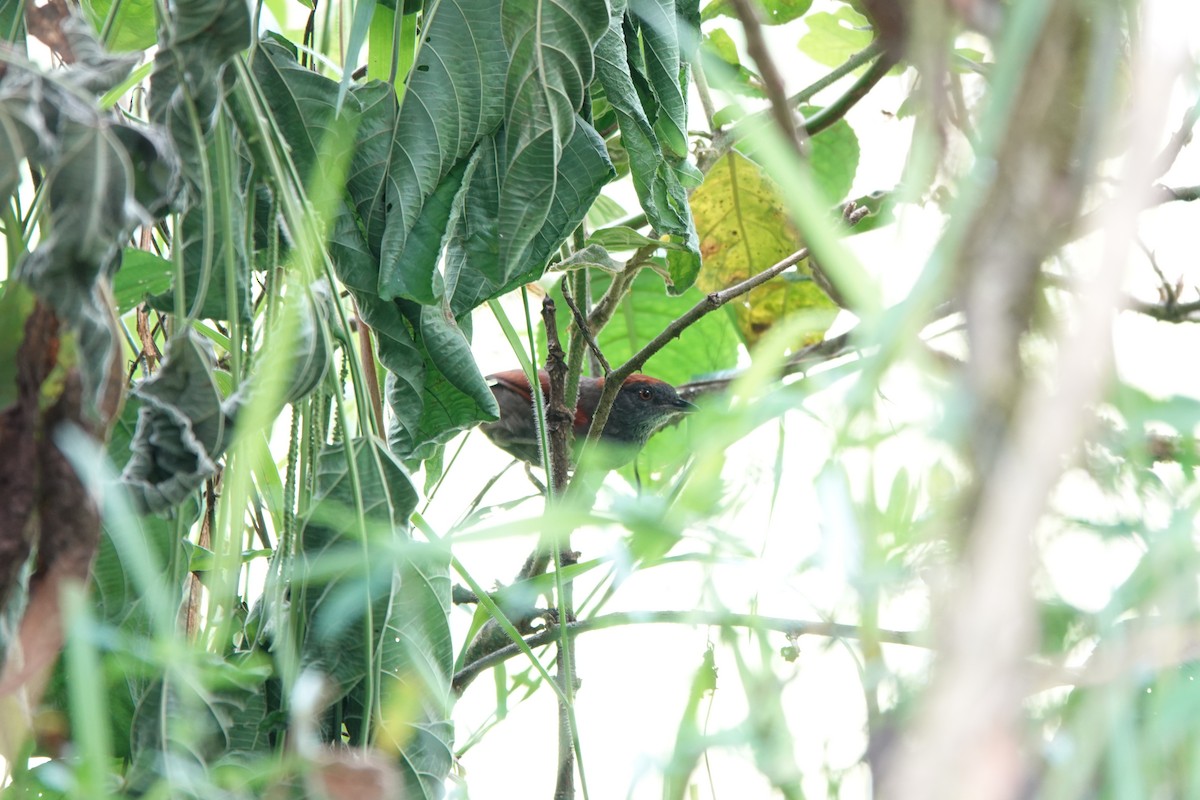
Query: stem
column 838, row 108
column 792, row 628
column 559, row 421
column 756, row 46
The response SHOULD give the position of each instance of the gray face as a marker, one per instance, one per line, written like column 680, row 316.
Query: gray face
column 642, row 407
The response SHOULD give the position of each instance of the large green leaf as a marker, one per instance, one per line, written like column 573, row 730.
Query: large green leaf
column 475, row 272
column 443, row 407
column 301, row 101
column 451, row 354
column 196, row 41
column 334, row 642
column 656, row 180
column 182, row 428
column 182, row 727
column 133, row 26
column 550, row 44
column 104, row 177
column 409, row 598
column 454, row 97
column 667, row 76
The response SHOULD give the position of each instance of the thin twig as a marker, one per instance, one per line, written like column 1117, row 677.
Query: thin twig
column 607, row 305
column 1179, row 140
column 710, row 303
column 756, row 46
column 581, row 324
column 838, row 108
column 792, row 628
column 735, row 133
column 559, row 418
column 366, row 353
column 1159, row 195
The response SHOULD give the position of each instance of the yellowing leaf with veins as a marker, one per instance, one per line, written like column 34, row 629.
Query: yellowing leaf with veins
column 744, row 228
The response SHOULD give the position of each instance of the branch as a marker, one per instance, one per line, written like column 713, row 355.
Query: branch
column 756, row 46
column 710, row 303
column 838, row 108
column 792, row 628
column 849, row 65
column 559, row 419
column 607, row 304
column 585, row 330
column 1165, row 312
column 1159, row 195
column 370, row 371
column 1178, row 141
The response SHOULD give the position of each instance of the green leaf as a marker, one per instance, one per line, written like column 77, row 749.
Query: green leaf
column 133, row 27
column 23, row 133
column 16, row 303
column 310, row 353
column 197, row 40
column 184, row 722
column 474, row 269
column 451, row 354
column 775, row 12
column 142, row 273
column 301, row 101
column 833, row 37
column 834, row 155
column 658, row 185
column 12, row 23
column 744, row 228
column 103, row 179
column 621, row 237
column 181, row 429
column 550, row 44
column 656, row 23
column 454, row 97
column 592, row 255
column 409, row 597
column 723, row 66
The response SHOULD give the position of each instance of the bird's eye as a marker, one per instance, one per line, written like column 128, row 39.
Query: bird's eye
column 644, row 393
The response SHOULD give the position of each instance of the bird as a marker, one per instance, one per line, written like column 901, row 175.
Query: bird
column 642, row 406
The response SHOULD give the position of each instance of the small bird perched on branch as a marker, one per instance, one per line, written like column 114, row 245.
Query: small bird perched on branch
column 642, row 406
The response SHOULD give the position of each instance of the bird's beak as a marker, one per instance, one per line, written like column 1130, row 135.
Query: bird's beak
column 682, row 406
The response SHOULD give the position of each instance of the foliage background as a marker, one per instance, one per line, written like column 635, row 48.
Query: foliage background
column 943, row 548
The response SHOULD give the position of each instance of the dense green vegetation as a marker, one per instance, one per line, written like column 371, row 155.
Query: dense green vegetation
column 240, row 283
